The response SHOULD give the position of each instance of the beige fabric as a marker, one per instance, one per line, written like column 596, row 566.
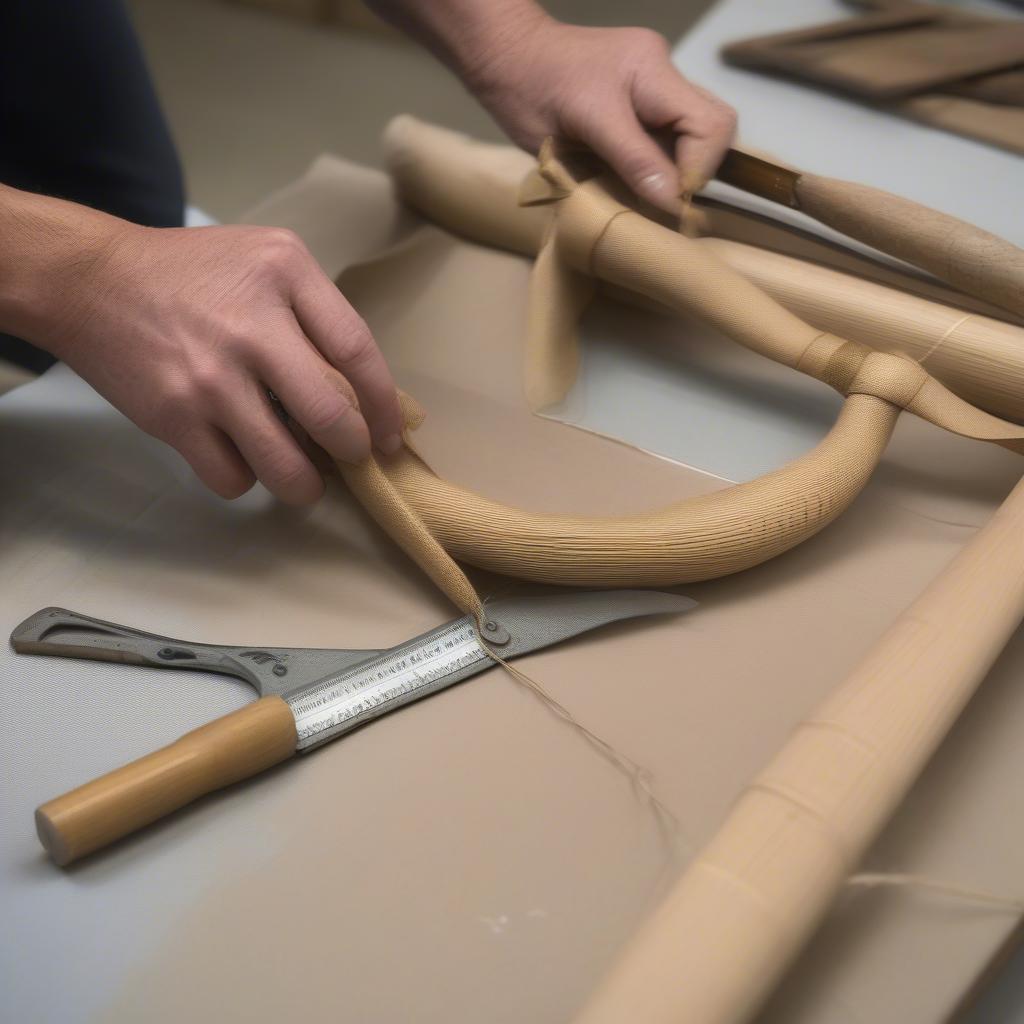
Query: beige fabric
column 481, row 863
column 593, row 234
column 371, row 486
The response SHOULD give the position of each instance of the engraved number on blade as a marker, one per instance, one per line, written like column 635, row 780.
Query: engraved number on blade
column 335, row 705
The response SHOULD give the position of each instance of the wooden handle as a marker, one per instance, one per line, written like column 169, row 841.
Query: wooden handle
column 975, row 261
column 748, row 902
column 226, row 751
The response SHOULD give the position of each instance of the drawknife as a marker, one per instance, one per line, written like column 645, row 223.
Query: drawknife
column 965, row 256
column 307, row 697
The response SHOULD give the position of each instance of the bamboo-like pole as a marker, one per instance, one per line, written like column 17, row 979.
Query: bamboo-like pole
column 473, row 188
column 975, row 261
column 719, row 943
column 978, row 357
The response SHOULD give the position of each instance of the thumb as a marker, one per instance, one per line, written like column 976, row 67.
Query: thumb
column 622, row 142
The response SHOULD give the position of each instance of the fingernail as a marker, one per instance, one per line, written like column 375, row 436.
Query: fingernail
column 390, row 444
column 654, row 185
column 352, row 445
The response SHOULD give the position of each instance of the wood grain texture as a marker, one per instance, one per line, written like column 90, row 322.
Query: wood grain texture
column 228, row 750
column 976, row 356
column 967, row 257
column 722, row 939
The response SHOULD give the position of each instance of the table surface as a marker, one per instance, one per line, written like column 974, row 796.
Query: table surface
column 707, row 430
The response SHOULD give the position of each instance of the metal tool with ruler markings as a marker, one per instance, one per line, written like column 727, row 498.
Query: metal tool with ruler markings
column 307, row 697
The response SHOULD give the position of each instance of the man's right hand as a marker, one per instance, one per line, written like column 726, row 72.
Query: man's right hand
column 186, row 330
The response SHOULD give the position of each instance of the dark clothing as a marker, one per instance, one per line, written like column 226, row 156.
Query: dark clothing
column 79, row 119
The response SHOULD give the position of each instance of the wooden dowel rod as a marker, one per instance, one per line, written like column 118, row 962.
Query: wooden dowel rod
column 969, row 258
column 979, row 358
column 720, row 942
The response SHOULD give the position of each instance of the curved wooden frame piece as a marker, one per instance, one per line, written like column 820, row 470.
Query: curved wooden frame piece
column 700, row 538
column 585, row 232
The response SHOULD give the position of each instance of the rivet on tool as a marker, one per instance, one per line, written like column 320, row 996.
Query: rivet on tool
column 175, row 654
column 495, row 634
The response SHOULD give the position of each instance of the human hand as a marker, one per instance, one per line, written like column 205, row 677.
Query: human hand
column 185, row 330
column 613, row 89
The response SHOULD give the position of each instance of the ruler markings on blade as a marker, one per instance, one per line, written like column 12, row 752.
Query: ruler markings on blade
column 340, row 703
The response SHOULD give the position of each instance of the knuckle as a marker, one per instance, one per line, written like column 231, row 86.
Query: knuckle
column 721, row 117
column 289, row 474
column 280, row 247
column 294, row 479
column 282, row 238
column 324, row 411
column 728, row 116
column 355, row 343
column 284, row 466
column 645, row 43
column 234, row 341
column 636, row 167
column 208, row 384
column 171, row 414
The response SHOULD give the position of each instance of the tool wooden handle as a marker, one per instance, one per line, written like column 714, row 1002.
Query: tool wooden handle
column 228, row 750
column 747, row 903
column 965, row 256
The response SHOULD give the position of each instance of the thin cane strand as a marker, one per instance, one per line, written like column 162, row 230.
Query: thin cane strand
column 639, row 777
column 953, row 890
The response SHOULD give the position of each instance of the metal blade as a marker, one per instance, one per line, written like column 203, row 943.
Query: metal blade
column 535, row 622
column 344, row 701
column 269, row 670
column 759, row 176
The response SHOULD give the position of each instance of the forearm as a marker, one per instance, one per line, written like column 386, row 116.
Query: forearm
column 44, row 244
column 467, row 35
